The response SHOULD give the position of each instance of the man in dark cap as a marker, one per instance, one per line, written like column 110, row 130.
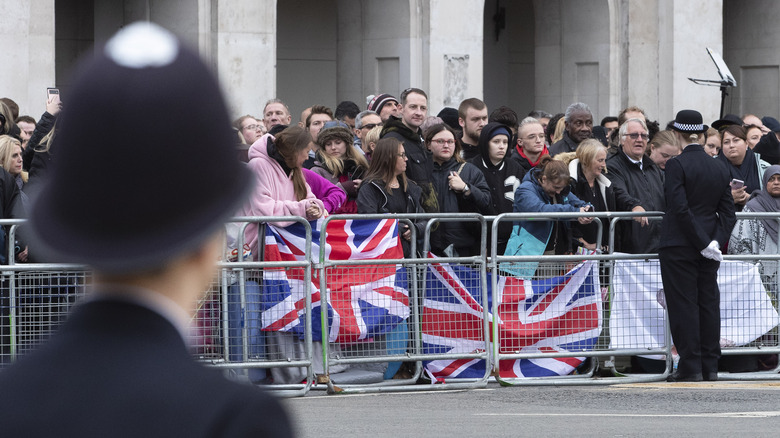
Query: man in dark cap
column 698, row 222
column 146, row 211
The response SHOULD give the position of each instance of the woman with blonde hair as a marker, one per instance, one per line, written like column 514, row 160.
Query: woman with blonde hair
column 662, row 147
column 340, row 162
column 370, row 141
column 590, row 185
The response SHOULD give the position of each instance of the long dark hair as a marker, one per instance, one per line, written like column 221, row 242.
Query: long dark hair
column 383, row 162
column 289, row 143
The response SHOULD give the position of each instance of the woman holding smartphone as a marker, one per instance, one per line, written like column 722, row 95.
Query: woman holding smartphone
column 745, row 166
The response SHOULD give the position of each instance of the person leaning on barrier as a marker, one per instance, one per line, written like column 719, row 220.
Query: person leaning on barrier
column 698, row 221
column 386, row 189
column 119, row 366
column 591, row 185
column 638, row 176
column 545, row 189
column 280, row 186
column 460, row 188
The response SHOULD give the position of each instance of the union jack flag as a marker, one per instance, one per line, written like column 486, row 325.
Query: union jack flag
column 556, row 314
column 363, row 301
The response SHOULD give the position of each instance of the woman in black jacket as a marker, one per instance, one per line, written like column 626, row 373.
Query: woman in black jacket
column 460, row 187
column 386, row 189
column 502, row 175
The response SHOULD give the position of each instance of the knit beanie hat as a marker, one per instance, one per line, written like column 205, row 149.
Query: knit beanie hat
column 335, row 129
column 378, row 102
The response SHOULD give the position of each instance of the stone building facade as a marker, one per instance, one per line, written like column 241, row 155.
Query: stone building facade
column 527, row 54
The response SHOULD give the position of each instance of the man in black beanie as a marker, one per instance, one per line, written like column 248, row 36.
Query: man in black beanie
column 145, row 210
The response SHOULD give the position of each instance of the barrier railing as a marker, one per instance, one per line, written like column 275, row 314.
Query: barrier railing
column 469, row 304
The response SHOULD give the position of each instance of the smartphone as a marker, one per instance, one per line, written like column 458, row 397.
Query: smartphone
column 51, row 92
column 737, row 184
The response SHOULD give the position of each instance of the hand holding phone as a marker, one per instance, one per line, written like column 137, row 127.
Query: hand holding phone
column 53, row 103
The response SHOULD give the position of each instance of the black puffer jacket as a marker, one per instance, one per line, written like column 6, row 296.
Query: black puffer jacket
column 464, row 236
column 372, row 198
column 420, row 165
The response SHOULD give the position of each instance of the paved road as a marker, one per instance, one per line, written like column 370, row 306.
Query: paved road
column 745, row 409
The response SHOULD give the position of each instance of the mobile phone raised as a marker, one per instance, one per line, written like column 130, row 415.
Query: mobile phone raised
column 736, row 184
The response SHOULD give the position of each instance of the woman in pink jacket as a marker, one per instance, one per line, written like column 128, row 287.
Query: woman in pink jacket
column 280, row 186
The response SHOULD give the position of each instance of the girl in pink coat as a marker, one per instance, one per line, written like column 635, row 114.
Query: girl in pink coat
column 280, row 186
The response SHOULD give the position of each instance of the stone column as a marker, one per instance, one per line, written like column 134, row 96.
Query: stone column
column 655, row 47
column 245, row 46
column 454, row 52
column 27, row 39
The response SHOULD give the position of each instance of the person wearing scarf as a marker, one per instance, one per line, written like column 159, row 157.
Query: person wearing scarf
column 759, row 236
column 742, row 163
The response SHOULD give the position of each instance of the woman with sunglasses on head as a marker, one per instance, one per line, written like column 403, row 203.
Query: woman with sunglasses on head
column 460, row 187
column 387, row 190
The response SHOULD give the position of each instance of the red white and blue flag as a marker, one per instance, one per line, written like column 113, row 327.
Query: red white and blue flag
column 560, row 314
column 363, row 300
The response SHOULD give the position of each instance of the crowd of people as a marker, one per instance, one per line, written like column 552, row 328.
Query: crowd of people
column 469, row 159
column 465, row 159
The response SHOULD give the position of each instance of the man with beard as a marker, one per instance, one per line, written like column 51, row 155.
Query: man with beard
column 472, row 117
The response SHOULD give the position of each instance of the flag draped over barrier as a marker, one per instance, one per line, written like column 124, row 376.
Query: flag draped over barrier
column 547, row 315
column 363, row 301
column 637, row 316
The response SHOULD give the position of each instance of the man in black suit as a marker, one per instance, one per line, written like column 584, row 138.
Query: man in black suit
column 699, row 217
column 145, row 209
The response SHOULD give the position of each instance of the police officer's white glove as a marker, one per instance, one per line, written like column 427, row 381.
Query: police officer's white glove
column 712, row 251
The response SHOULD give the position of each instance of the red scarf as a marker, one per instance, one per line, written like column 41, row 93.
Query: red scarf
column 533, row 164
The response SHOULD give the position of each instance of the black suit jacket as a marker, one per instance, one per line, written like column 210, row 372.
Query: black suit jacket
column 699, row 206
column 116, row 369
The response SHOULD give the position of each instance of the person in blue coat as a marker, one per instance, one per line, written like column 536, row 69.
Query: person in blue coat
column 545, row 189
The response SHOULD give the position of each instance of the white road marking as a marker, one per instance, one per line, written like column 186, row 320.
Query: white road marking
column 758, row 414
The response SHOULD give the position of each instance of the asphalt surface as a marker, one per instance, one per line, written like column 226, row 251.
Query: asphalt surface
column 749, row 409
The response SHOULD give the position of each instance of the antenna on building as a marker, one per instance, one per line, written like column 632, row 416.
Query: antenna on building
column 726, row 78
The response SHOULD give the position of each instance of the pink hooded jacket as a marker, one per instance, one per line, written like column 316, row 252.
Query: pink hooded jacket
column 274, row 193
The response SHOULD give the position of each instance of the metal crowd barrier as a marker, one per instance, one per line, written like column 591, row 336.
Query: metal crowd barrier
column 230, row 332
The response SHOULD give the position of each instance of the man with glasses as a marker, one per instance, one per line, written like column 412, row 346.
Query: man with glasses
column 364, row 122
column 530, row 144
column 578, row 122
column 637, row 175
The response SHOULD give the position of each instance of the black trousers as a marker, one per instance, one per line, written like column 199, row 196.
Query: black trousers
column 693, row 302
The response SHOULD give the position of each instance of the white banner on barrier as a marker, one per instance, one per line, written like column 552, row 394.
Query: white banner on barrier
column 636, row 318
